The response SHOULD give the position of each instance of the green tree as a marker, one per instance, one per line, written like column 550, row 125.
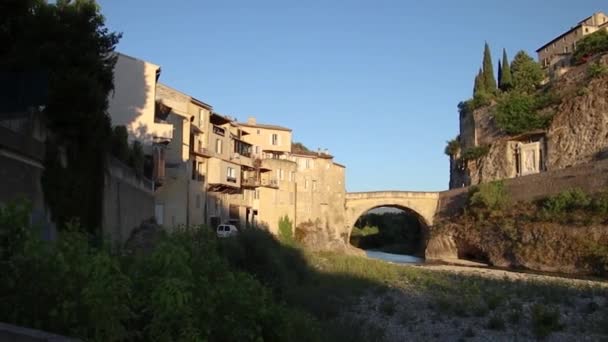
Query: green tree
column 120, row 143
column 527, row 74
column 596, row 42
column 479, row 86
column 506, row 79
column 70, row 43
column 516, row 112
column 488, row 71
column 499, row 72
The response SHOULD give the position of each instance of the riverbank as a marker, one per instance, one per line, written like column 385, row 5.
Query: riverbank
column 441, row 302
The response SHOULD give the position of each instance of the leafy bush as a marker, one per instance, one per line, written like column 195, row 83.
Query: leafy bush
column 597, row 69
column 258, row 252
column 492, row 196
column 517, row 113
column 590, row 45
column 453, row 147
column 365, row 231
column 474, row 153
column 567, row 201
column 181, row 290
column 286, row 230
column 545, row 320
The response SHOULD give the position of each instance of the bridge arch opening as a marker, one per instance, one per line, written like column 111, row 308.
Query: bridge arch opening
column 390, row 228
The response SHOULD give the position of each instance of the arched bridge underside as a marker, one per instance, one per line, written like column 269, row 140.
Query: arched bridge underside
column 422, row 203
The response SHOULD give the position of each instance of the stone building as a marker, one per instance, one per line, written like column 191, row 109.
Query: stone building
column 555, row 55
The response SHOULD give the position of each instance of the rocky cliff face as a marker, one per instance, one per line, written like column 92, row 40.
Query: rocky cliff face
column 579, row 130
column 577, row 134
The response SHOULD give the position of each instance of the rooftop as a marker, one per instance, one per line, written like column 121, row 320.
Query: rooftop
column 251, row 122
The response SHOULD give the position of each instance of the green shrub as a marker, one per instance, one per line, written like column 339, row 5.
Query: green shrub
column 567, row 201
column 453, row 147
column 365, row 231
column 286, row 230
column 180, row 290
column 496, row 322
column 545, row 320
column 492, row 196
column 474, row 153
column 516, row 113
column 258, row 252
column 590, row 45
column 597, row 69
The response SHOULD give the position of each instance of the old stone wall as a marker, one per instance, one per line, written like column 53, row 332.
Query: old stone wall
column 590, row 177
column 128, row 200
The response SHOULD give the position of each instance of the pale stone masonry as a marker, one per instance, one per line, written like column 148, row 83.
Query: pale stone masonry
column 555, row 55
column 217, row 170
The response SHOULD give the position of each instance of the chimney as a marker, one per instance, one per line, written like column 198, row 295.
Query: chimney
column 251, row 120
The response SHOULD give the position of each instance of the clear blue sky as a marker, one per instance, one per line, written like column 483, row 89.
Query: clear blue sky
column 376, row 82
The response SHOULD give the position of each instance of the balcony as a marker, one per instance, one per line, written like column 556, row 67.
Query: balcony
column 201, row 151
column 270, row 183
column 251, row 183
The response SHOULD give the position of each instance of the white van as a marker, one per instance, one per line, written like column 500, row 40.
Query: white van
column 226, row 230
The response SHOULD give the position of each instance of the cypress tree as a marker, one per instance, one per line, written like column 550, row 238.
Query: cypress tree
column 479, row 86
column 488, row 71
column 499, row 72
column 506, row 79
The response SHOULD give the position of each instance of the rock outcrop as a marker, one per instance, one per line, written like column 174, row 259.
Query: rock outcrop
column 578, row 132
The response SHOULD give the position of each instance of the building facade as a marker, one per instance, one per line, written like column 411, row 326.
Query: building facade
column 555, row 55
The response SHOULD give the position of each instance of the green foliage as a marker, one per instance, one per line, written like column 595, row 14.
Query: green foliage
column 453, row 147
column 597, row 70
column 517, row 112
column 489, row 82
column 67, row 41
column 492, row 196
column 545, row 320
column 567, row 201
column 592, row 44
column 286, row 230
column 120, row 144
column 365, row 231
column 527, row 73
column 479, row 86
column 181, row 290
column 496, row 322
column 136, row 157
column 474, row 153
column 506, row 79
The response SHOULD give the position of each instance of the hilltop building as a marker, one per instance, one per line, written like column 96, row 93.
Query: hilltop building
column 555, row 55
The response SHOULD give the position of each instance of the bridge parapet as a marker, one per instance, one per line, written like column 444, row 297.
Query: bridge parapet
column 391, row 194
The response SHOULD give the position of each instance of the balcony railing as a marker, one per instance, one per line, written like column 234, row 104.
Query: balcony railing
column 251, row 182
column 271, row 183
column 201, row 151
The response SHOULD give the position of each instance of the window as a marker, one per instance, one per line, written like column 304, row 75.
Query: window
column 231, row 174
column 314, row 185
column 194, row 170
column 201, row 118
column 281, row 175
column 275, row 139
column 218, row 146
column 292, row 176
column 308, row 163
column 199, row 171
column 306, row 184
column 256, row 194
column 257, row 150
column 258, row 132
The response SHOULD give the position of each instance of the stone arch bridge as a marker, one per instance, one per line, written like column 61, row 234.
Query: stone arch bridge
column 424, row 204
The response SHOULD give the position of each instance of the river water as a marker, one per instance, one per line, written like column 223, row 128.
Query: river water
column 396, row 258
